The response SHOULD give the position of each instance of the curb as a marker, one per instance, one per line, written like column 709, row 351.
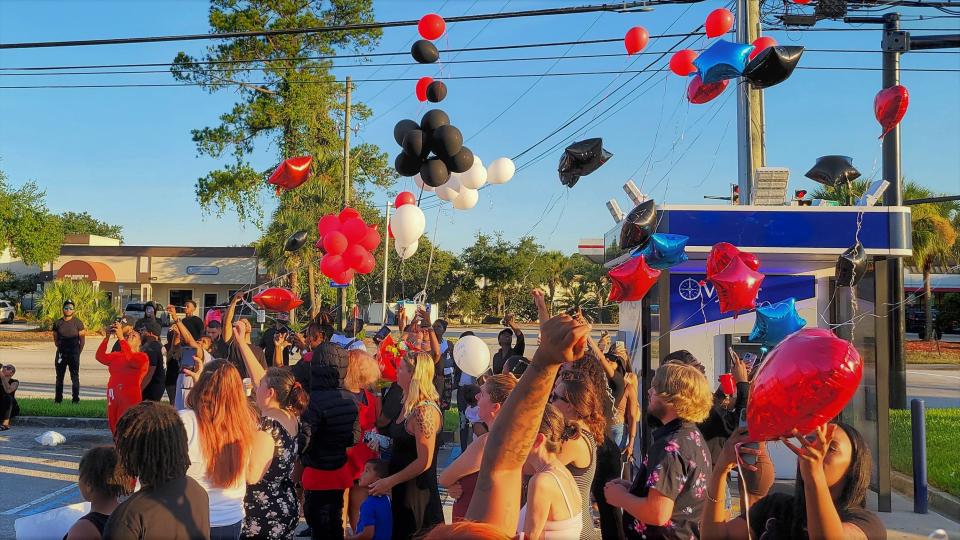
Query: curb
column 61, row 422
column 934, row 367
column 940, row 501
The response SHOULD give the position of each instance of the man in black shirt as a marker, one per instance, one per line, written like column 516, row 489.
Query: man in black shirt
column 267, row 338
column 193, row 323
column 149, row 321
column 68, row 336
column 505, row 339
column 666, row 498
column 152, row 385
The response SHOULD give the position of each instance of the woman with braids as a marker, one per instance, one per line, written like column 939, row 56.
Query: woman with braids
column 227, row 452
column 575, row 396
column 152, row 446
column 413, row 463
column 460, row 477
column 127, row 369
column 271, row 506
column 829, row 499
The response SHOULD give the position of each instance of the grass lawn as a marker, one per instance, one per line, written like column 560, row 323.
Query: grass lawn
column 451, row 420
column 927, row 352
column 87, row 408
column 943, row 452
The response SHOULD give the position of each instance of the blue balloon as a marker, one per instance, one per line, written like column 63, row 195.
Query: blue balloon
column 664, row 250
column 775, row 322
column 722, row 60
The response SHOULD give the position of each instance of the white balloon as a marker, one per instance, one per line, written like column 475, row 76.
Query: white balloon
column 476, row 176
column 467, row 199
column 472, row 355
column 419, row 183
column 451, row 189
column 407, row 224
column 501, row 171
column 405, row 252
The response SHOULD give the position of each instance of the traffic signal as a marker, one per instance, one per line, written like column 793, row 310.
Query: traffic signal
column 799, row 195
column 734, row 194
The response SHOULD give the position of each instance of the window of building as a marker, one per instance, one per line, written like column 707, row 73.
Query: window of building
column 178, row 297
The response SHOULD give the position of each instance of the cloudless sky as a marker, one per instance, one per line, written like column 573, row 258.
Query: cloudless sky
column 126, row 156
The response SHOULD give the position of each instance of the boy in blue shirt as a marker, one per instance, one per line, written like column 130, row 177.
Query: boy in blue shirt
column 376, row 518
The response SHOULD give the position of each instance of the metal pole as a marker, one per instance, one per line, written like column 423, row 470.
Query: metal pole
column 386, row 260
column 342, row 292
column 918, row 428
column 894, row 42
column 750, row 121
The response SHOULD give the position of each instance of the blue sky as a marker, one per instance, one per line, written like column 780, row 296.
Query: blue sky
column 125, row 155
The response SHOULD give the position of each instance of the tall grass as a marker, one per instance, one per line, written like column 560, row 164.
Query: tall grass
column 92, row 307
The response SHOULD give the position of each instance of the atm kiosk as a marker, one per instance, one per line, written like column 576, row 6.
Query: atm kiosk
column 798, row 249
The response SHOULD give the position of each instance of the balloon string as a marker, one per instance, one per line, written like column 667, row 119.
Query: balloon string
column 743, row 487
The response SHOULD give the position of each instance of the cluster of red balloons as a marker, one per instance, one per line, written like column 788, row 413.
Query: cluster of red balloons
column 734, row 275
column 291, row 173
column 347, row 243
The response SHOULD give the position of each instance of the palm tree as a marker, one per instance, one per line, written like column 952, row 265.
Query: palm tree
column 551, row 266
column 934, row 240
column 842, row 193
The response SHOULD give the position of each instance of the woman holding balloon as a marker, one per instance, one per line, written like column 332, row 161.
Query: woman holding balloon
column 829, row 496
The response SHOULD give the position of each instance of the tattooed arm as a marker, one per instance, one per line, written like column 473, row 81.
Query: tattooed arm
column 497, row 496
column 423, row 425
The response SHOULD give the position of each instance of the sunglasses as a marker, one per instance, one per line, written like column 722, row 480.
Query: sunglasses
column 68, row 309
column 555, row 397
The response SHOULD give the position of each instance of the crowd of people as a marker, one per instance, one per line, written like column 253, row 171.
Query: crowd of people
column 255, row 436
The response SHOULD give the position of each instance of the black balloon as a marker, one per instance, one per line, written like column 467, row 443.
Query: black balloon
column 772, row 65
column 424, row 52
column 434, row 172
column 407, row 165
column 446, row 141
column 639, row 225
column 416, row 144
column 851, row 266
column 436, row 91
column 580, row 159
column 433, row 119
column 402, row 128
column 296, row 241
column 461, row 161
column 833, row 170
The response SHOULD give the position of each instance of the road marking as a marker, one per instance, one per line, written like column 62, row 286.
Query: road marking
column 934, row 374
column 38, row 474
column 72, row 465
column 38, row 500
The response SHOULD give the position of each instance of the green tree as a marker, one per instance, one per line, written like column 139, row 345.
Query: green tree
column 843, row 192
column 93, row 308
column 14, row 287
column 287, row 98
column 489, row 259
column 84, row 223
column 26, row 227
column 550, row 268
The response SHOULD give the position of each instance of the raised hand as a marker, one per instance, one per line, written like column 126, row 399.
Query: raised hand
column 240, row 330
column 562, row 340
column 543, row 313
column 811, row 450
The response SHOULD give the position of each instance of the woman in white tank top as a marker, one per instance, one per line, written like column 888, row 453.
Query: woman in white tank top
column 553, row 510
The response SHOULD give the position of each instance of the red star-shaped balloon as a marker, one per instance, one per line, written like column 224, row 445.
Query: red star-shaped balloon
column 632, row 280
column 737, row 286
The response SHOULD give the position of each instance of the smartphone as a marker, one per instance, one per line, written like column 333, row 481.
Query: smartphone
column 749, row 459
column 749, row 359
column 381, row 334
column 188, row 358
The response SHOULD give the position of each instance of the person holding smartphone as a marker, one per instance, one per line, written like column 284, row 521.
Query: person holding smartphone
column 193, row 352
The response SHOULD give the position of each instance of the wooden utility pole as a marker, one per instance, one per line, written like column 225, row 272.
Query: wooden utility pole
column 750, row 122
column 342, row 292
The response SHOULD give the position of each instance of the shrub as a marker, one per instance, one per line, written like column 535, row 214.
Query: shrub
column 92, row 307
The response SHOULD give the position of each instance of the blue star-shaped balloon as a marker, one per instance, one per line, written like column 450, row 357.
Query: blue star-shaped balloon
column 776, row 322
column 664, row 250
column 722, row 60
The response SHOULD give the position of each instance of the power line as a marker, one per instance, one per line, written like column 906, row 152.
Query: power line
column 621, row 7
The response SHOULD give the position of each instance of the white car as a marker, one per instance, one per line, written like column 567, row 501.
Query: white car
column 7, row 311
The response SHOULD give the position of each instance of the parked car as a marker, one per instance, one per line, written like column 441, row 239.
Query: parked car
column 134, row 311
column 7, row 311
column 916, row 321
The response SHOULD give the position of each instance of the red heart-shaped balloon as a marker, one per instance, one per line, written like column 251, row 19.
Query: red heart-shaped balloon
column 890, row 106
column 803, row 383
column 277, row 299
column 699, row 93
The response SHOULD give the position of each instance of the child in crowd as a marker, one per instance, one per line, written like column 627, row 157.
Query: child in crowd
column 471, row 415
column 102, row 482
column 376, row 518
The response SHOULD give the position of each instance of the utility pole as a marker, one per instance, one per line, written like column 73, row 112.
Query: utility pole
column 750, row 121
column 342, row 291
column 386, row 261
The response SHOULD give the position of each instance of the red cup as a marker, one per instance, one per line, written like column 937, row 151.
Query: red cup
column 727, row 384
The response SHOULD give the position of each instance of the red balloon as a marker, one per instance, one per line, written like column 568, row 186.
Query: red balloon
column 636, row 39
column 328, row 224
column 389, row 230
column 347, row 214
column 404, row 197
column 803, row 383
column 355, row 230
column 366, row 264
column 277, row 299
column 422, row 85
column 332, row 266
column 802, row 2
column 631, row 280
column 371, row 240
column 762, row 43
column 353, row 256
column 335, row 243
column 889, row 107
column 699, row 93
column 681, row 63
column 431, row 26
column 719, row 22
column 722, row 253
column 344, row 277
column 291, row 173
column 737, row 286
